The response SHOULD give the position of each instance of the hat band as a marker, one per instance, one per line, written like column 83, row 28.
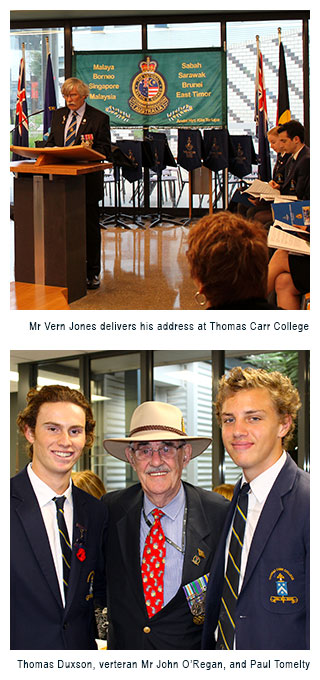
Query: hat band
column 156, row 427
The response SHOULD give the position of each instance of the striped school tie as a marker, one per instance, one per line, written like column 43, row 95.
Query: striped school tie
column 226, row 622
column 72, row 130
column 64, row 541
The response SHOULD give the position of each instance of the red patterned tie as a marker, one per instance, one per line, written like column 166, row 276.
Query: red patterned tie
column 152, row 567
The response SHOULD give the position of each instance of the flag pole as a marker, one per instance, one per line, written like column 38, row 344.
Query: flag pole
column 47, row 46
column 23, row 49
column 283, row 106
column 261, row 119
column 257, row 85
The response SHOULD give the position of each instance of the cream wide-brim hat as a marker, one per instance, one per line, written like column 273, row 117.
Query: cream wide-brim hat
column 155, row 421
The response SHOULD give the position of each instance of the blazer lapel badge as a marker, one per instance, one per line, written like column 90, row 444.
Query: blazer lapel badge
column 79, row 544
column 197, row 558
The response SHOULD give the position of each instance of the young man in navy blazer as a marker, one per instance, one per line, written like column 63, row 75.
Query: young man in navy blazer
column 297, row 170
column 46, row 613
column 256, row 411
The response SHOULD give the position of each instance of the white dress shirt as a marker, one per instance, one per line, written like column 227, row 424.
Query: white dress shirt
column 44, row 495
column 295, row 155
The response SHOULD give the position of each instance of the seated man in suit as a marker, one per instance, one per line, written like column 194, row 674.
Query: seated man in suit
column 162, row 536
column 289, row 274
column 68, row 125
column 57, row 530
column 297, row 170
column 258, row 591
column 262, row 209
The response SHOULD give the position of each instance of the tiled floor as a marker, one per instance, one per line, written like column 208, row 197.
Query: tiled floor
column 143, row 269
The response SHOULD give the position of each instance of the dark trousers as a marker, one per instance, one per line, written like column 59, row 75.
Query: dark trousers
column 93, row 239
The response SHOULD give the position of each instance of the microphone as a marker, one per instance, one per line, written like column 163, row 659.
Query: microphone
column 27, row 117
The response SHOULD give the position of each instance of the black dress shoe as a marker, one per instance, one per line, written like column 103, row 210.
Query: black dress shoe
column 93, row 282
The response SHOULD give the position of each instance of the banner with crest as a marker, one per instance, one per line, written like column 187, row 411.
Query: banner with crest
column 176, row 88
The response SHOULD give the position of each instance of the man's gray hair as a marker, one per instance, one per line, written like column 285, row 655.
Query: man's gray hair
column 70, row 83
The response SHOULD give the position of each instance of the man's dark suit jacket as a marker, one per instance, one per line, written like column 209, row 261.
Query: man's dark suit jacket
column 38, row 618
column 94, row 122
column 297, row 176
column 280, row 545
column 173, row 626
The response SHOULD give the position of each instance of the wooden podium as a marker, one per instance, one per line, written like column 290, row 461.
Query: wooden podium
column 50, row 215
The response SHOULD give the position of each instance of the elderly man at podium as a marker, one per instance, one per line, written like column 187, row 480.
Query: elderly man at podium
column 70, row 124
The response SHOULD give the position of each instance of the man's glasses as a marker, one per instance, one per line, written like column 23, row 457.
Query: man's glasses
column 165, row 451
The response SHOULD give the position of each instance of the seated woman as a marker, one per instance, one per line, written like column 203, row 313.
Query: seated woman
column 289, row 277
column 228, row 258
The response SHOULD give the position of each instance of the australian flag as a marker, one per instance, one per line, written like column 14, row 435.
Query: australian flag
column 261, row 117
column 50, row 102
column 20, row 135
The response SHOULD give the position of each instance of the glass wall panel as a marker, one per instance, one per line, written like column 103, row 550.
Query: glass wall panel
column 60, row 373
column 184, row 379
column 241, row 70
column 115, row 393
column 36, row 59
column 108, row 38
column 174, row 36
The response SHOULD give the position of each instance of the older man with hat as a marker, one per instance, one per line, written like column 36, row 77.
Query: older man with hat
column 162, row 537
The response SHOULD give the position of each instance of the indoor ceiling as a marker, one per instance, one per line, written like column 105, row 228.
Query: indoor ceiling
column 36, row 15
column 21, row 356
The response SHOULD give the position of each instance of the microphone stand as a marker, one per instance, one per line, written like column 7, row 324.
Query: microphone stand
column 27, row 117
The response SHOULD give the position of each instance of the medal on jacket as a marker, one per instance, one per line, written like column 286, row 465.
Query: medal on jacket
column 195, row 592
column 87, row 140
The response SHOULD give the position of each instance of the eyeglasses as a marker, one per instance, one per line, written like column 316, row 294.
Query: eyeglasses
column 71, row 96
column 165, row 451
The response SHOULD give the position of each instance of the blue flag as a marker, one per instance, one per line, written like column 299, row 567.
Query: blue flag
column 261, row 116
column 20, row 135
column 50, row 102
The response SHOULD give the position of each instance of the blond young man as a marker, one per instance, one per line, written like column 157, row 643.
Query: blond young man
column 258, row 593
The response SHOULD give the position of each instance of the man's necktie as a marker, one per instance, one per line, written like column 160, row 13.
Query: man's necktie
column 289, row 167
column 226, row 622
column 64, row 541
column 153, row 563
column 72, row 130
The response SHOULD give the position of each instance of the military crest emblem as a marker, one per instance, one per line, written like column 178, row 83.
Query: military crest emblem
column 240, row 157
column 215, row 149
column 148, row 89
column 189, row 149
